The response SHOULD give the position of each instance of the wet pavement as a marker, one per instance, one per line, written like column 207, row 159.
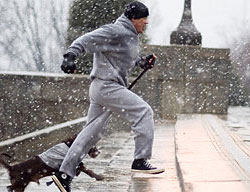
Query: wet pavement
column 238, row 123
column 208, row 158
column 114, row 164
column 200, row 153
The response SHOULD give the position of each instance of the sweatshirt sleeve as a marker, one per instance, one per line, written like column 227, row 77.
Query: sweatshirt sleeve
column 99, row 40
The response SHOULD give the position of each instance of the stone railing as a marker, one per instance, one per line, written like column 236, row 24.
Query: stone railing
column 189, row 79
column 186, row 79
column 33, row 101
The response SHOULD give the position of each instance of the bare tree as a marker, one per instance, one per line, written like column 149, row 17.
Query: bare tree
column 34, row 35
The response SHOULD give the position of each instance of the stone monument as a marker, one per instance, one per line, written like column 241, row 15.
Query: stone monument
column 186, row 33
column 188, row 78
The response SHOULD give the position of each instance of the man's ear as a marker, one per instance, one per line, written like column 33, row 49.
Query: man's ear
column 134, row 21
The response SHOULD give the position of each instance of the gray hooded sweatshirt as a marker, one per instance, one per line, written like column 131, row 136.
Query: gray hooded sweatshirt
column 115, row 47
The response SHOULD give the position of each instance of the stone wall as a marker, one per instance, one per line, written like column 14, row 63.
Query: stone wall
column 185, row 80
column 189, row 79
column 33, row 101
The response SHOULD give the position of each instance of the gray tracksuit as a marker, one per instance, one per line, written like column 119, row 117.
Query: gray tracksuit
column 54, row 156
column 115, row 48
column 116, row 52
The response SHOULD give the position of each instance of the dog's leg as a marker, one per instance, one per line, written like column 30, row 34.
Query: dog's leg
column 93, row 174
column 90, row 173
column 9, row 188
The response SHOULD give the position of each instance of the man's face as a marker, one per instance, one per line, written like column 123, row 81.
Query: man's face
column 140, row 24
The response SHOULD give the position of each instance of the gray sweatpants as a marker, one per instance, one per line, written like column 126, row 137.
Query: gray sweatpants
column 107, row 97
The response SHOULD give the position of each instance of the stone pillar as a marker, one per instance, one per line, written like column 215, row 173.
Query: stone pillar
column 188, row 78
column 186, row 33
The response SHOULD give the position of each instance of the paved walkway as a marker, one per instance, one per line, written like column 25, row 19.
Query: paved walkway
column 114, row 163
column 193, row 148
column 205, row 161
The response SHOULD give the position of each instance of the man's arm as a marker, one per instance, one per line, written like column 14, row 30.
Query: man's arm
column 98, row 40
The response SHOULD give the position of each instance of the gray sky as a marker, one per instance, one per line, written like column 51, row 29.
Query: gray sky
column 217, row 20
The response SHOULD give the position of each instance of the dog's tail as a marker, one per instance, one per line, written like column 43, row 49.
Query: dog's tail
column 6, row 165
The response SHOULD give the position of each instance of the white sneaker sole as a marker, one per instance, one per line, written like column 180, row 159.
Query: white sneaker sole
column 152, row 171
column 58, row 184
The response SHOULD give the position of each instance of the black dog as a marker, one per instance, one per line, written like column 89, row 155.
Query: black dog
column 34, row 169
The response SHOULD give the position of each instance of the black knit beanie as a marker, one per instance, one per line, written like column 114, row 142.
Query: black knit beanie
column 136, row 10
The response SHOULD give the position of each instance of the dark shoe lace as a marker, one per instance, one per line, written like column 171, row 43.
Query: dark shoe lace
column 142, row 164
column 147, row 164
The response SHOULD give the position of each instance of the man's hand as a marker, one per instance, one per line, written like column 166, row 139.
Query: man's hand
column 148, row 62
column 68, row 64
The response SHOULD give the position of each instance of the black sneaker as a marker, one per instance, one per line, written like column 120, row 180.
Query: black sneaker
column 143, row 166
column 62, row 181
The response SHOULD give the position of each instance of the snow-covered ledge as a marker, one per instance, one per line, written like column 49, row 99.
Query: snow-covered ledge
column 30, row 101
